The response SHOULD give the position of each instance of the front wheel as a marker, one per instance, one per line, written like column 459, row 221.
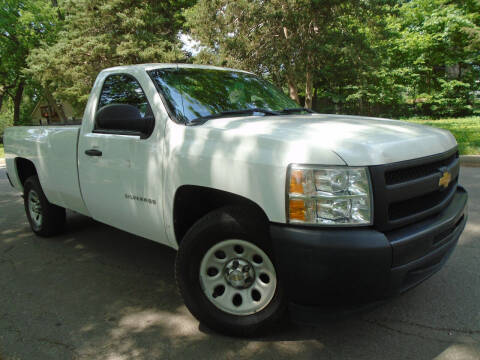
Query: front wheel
column 226, row 275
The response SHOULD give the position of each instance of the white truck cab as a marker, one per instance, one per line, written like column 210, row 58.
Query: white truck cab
column 269, row 205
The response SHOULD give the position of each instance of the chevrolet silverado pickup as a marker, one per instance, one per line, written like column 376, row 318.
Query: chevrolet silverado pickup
column 272, row 207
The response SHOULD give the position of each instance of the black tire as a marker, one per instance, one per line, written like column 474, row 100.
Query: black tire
column 52, row 216
column 225, row 223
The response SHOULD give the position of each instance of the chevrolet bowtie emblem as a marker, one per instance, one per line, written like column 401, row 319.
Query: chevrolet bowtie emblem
column 445, row 179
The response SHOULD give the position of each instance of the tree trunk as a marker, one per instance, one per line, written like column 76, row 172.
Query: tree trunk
column 4, row 90
column 59, row 13
column 2, row 95
column 315, row 100
column 309, row 89
column 53, row 105
column 17, row 100
column 292, row 88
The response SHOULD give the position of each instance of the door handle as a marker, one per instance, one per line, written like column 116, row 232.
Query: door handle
column 93, row 152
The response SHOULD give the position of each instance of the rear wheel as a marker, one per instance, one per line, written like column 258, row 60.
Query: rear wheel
column 226, row 274
column 45, row 219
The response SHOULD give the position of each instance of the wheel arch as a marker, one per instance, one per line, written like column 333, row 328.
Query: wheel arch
column 24, row 168
column 192, row 202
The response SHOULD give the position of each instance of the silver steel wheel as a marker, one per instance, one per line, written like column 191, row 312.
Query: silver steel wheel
column 238, row 277
column 35, row 208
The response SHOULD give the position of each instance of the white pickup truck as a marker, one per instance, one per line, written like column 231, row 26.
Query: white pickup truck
column 270, row 206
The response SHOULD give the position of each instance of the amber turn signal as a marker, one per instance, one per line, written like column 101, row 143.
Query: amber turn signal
column 297, row 209
column 296, row 186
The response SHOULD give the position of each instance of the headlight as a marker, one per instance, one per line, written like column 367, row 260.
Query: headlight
column 329, row 195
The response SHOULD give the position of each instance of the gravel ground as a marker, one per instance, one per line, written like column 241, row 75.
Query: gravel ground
column 99, row 293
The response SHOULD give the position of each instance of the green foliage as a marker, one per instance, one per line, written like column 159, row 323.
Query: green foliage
column 6, row 119
column 23, row 26
column 432, row 43
column 376, row 58
column 6, row 115
column 452, row 99
column 99, row 34
column 292, row 42
column 372, row 57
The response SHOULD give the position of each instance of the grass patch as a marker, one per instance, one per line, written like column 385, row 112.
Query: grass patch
column 466, row 131
column 2, row 154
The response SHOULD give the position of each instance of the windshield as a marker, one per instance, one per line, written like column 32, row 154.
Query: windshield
column 192, row 94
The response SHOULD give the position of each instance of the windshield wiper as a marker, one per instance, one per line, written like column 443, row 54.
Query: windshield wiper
column 203, row 119
column 296, row 110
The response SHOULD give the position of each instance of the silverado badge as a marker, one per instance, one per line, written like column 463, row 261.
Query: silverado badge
column 445, row 179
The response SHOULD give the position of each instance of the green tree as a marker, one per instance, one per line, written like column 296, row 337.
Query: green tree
column 23, row 25
column 363, row 57
column 436, row 52
column 351, row 77
column 99, row 34
column 291, row 41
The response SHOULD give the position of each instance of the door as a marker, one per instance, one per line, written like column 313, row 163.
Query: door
column 120, row 171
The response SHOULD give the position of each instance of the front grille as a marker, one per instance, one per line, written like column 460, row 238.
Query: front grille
column 419, row 204
column 401, row 175
column 409, row 191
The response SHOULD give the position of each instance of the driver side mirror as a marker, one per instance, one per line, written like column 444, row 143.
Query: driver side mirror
column 123, row 119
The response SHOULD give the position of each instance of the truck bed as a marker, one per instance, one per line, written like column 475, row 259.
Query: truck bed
column 53, row 151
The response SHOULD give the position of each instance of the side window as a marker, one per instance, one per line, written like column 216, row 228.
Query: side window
column 124, row 89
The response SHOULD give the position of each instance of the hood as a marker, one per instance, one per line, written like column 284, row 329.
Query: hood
column 358, row 141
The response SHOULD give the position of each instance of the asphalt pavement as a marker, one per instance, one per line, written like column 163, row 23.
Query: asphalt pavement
column 99, row 293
